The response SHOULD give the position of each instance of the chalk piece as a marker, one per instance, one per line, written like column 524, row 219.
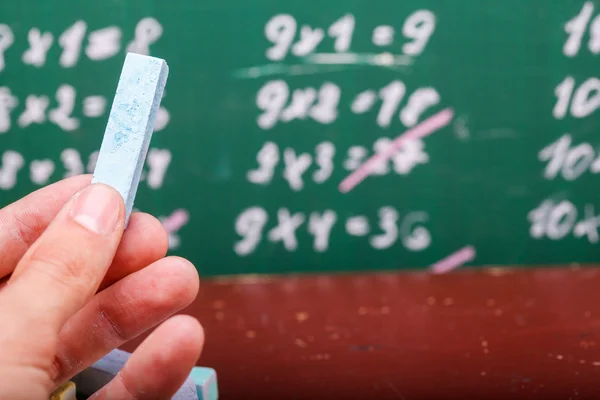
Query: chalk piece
column 66, row 391
column 206, row 383
column 130, row 125
column 201, row 381
column 188, row 391
column 101, row 372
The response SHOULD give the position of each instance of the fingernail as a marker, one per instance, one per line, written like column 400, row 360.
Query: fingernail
column 97, row 209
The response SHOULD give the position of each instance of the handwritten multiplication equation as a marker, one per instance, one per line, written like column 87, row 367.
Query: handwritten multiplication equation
column 295, row 167
column 289, row 37
column 71, row 164
column 58, row 107
column 101, row 44
column 38, row 109
column 254, row 226
column 564, row 157
column 558, row 219
column 394, row 101
column 397, row 104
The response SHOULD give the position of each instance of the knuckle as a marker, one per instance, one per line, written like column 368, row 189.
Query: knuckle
column 57, row 369
column 27, row 226
column 112, row 314
column 64, row 365
column 23, row 229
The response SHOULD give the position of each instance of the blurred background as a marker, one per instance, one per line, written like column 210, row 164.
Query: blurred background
column 269, row 153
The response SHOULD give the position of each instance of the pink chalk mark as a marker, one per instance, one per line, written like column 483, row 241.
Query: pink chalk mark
column 423, row 129
column 454, row 260
column 178, row 219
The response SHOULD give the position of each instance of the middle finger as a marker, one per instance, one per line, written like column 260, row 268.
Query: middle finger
column 144, row 242
column 123, row 311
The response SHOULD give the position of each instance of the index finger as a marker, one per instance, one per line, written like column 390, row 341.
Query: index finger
column 64, row 267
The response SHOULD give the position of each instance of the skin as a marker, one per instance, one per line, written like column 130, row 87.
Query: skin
column 74, row 286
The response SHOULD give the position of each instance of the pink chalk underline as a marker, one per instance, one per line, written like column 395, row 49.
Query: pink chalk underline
column 173, row 223
column 454, row 260
column 423, row 129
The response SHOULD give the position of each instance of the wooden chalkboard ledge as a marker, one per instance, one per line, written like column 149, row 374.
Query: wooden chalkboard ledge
column 474, row 334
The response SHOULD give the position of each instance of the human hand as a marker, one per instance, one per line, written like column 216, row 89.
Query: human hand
column 80, row 286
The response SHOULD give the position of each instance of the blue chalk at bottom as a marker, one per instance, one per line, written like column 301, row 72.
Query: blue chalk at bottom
column 206, row 383
column 201, row 384
column 130, row 125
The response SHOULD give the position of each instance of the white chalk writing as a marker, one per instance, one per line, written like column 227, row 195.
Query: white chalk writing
column 252, row 225
column 287, row 36
column 554, row 220
column 576, row 29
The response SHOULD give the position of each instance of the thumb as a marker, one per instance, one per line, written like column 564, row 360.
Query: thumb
column 64, row 267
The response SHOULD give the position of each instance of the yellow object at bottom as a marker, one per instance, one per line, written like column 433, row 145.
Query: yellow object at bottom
column 65, row 392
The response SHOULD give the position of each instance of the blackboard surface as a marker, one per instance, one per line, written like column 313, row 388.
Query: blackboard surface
column 273, row 108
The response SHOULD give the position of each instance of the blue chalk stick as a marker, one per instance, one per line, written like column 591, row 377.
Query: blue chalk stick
column 206, row 383
column 201, row 384
column 130, row 125
column 100, row 373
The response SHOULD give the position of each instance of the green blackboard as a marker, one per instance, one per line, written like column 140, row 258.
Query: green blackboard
column 273, row 108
